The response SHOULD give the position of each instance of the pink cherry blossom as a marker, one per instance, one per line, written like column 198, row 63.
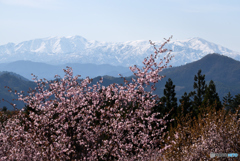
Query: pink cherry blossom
column 72, row 121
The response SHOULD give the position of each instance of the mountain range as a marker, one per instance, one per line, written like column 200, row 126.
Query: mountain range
column 25, row 68
column 76, row 49
column 224, row 71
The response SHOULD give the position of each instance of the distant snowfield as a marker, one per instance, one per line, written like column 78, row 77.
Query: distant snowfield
column 76, row 49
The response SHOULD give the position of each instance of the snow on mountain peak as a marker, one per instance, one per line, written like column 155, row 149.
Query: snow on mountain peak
column 73, row 49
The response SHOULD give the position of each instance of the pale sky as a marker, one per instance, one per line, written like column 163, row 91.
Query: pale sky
column 217, row 21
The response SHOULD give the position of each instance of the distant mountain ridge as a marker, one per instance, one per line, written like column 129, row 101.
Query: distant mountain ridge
column 224, row 71
column 76, row 49
column 15, row 82
column 14, row 74
column 47, row 71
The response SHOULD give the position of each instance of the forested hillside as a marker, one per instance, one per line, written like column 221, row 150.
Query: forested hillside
column 222, row 70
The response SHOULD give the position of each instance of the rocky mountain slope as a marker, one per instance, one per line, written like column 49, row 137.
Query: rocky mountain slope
column 76, row 49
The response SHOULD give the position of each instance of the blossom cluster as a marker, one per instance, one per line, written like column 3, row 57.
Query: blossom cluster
column 70, row 120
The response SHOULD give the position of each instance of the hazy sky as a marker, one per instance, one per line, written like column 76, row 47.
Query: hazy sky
column 216, row 21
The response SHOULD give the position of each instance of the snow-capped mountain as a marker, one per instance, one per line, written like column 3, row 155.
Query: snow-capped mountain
column 76, row 49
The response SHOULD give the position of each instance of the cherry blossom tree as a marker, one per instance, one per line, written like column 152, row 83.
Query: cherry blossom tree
column 70, row 120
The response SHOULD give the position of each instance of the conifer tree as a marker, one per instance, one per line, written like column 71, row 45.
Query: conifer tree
column 160, row 107
column 169, row 96
column 4, row 109
column 211, row 96
column 186, row 103
column 228, row 101
column 236, row 103
column 231, row 103
column 200, row 87
column 169, row 101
